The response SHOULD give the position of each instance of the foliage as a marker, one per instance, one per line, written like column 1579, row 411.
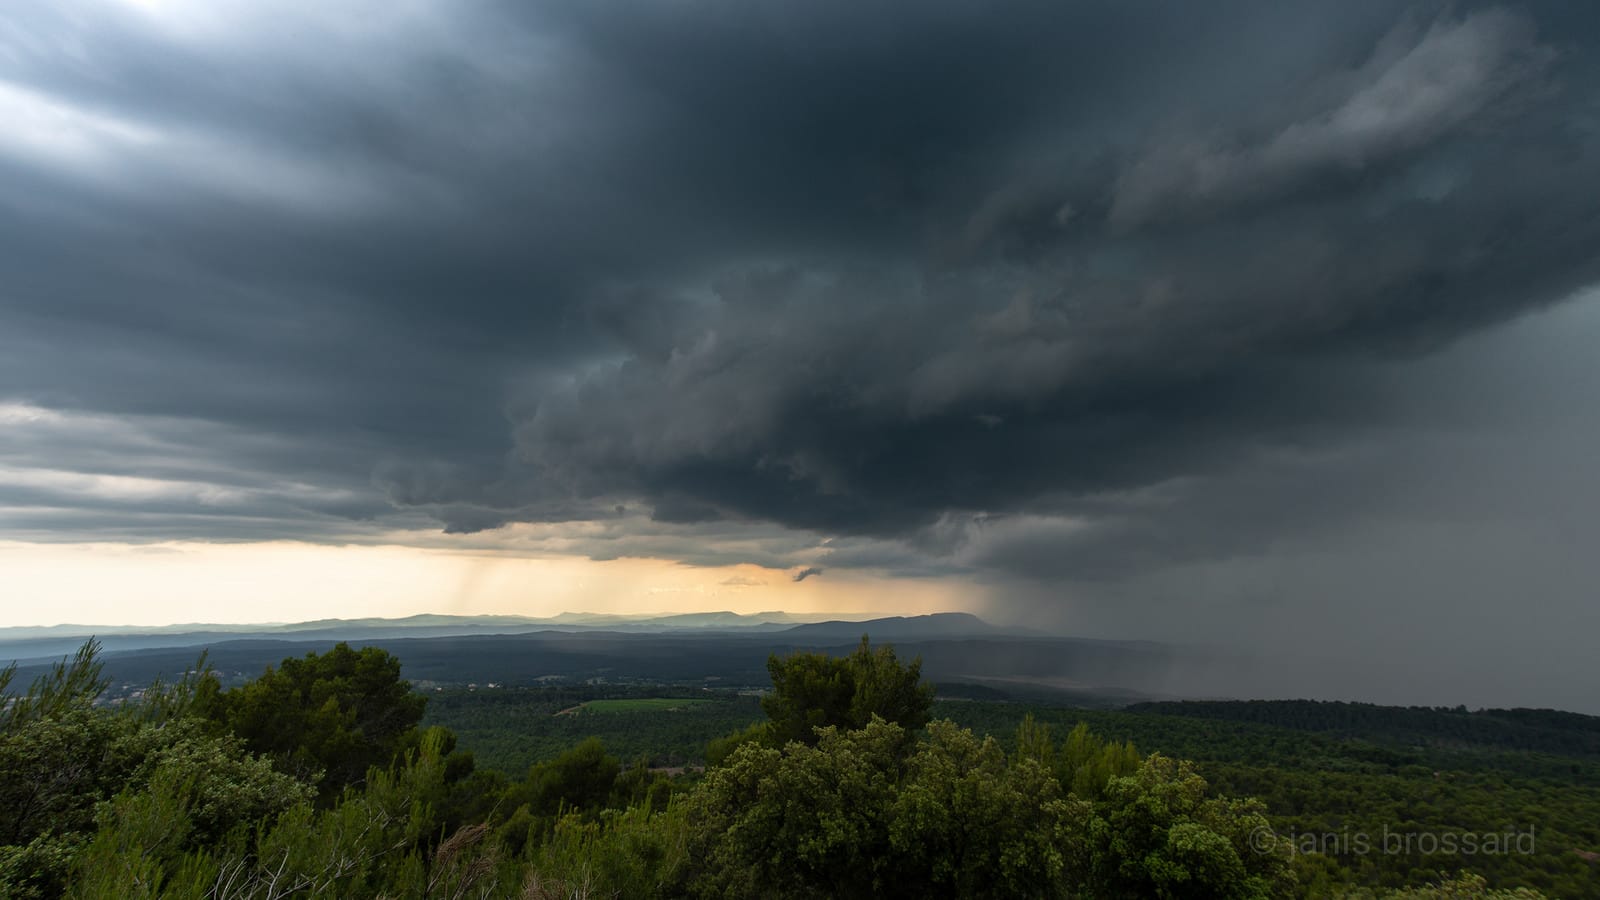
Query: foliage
column 511, row 728
column 150, row 799
column 1541, row 730
column 332, row 715
column 366, row 843
column 1316, row 783
column 636, row 851
column 719, row 749
column 58, row 758
column 580, row 779
column 1158, row 834
column 62, row 759
column 968, row 823
column 814, row 690
column 1087, row 763
column 854, row 817
column 801, row 821
column 1465, row 886
column 66, row 687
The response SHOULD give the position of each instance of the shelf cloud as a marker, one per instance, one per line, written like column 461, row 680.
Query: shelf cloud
column 1059, row 300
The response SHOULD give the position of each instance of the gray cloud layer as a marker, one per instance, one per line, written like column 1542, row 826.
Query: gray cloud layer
column 1072, row 295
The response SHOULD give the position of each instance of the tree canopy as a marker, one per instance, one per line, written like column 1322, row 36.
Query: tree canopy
column 815, row 690
column 158, row 797
column 331, row 715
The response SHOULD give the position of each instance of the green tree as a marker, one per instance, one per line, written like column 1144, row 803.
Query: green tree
column 814, row 690
column 53, row 771
column 64, row 762
column 194, row 793
column 1156, row 834
column 66, row 687
column 1086, row 762
column 381, row 840
column 966, row 823
column 335, row 714
column 59, row 757
column 1465, row 886
column 855, row 816
column 1033, row 742
column 719, row 749
column 800, row 821
column 581, row 778
column 634, row 852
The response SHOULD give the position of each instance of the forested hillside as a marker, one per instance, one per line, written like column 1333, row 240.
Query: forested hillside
column 1533, row 730
column 328, row 776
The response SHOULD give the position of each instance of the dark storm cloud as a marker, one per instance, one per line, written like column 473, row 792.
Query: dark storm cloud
column 1170, row 300
column 805, row 573
column 956, row 288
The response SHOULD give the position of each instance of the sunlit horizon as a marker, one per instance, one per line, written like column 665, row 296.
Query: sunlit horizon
column 286, row 582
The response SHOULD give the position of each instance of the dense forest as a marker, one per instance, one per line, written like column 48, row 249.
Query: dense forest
column 329, row 776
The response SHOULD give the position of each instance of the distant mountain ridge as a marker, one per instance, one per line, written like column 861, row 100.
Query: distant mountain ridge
column 933, row 625
column 956, row 649
column 37, row 643
column 696, row 619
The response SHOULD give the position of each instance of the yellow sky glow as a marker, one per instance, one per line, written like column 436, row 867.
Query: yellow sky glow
column 121, row 584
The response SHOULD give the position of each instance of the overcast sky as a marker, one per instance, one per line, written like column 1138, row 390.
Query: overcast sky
column 1260, row 324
